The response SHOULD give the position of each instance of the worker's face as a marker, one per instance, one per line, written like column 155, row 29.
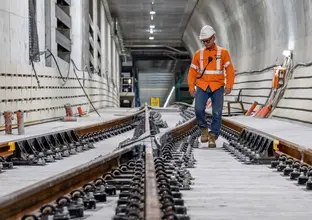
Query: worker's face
column 209, row 42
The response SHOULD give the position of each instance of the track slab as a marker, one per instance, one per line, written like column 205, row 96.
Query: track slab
column 23, row 176
column 93, row 118
column 225, row 189
column 295, row 133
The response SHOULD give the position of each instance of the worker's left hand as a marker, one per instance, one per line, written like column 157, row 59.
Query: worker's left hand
column 227, row 91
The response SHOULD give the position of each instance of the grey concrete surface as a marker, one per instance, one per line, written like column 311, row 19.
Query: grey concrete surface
column 171, row 118
column 23, row 176
column 295, row 133
column 19, row 89
column 93, row 118
column 225, row 189
column 105, row 210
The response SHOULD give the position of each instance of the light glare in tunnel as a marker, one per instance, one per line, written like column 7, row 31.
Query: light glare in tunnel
column 287, row 53
column 169, row 96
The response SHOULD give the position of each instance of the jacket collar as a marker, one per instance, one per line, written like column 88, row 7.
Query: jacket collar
column 214, row 48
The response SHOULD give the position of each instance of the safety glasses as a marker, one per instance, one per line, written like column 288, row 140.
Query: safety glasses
column 208, row 40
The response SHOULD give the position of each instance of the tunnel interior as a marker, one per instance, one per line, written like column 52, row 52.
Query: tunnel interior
column 257, row 34
column 43, row 42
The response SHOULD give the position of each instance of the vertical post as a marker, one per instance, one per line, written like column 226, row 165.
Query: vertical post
column 20, row 122
column 8, row 121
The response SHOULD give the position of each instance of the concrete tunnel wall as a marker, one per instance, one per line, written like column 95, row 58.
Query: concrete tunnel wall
column 256, row 32
column 18, row 85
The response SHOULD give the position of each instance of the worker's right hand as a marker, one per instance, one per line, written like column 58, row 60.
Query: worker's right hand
column 227, row 91
column 193, row 93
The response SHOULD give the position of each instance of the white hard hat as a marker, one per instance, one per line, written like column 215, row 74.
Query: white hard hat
column 206, row 32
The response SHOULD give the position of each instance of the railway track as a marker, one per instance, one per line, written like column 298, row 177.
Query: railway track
column 146, row 174
column 251, row 146
column 131, row 170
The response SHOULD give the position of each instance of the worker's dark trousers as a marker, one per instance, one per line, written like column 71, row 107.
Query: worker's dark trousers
column 217, row 107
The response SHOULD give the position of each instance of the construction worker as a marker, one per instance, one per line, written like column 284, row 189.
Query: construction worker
column 209, row 65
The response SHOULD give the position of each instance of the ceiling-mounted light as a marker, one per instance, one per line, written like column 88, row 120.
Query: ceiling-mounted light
column 152, row 26
column 152, row 12
column 151, row 38
column 151, row 31
column 152, row 17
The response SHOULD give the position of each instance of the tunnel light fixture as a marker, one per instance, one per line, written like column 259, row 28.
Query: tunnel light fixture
column 152, row 17
column 152, row 26
column 151, row 31
column 152, row 12
column 151, row 38
column 287, row 53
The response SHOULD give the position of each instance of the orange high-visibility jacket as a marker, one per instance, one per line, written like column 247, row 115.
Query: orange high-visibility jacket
column 214, row 74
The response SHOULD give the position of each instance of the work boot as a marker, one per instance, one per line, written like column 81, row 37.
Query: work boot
column 204, row 135
column 212, row 140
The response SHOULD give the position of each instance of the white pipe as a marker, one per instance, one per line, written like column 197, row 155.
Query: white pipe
column 168, row 98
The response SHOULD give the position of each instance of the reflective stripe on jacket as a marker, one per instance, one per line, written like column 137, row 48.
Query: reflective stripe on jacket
column 214, row 73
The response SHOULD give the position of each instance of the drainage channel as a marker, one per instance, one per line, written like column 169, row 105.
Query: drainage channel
column 142, row 179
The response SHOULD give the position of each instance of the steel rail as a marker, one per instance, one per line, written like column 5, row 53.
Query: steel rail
column 152, row 204
column 284, row 147
column 30, row 199
column 107, row 124
column 26, row 200
column 4, row 146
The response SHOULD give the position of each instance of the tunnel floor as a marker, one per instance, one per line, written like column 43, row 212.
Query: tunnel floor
column 223, row 188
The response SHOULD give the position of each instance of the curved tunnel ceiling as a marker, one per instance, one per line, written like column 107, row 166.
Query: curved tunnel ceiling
column 256, row 32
